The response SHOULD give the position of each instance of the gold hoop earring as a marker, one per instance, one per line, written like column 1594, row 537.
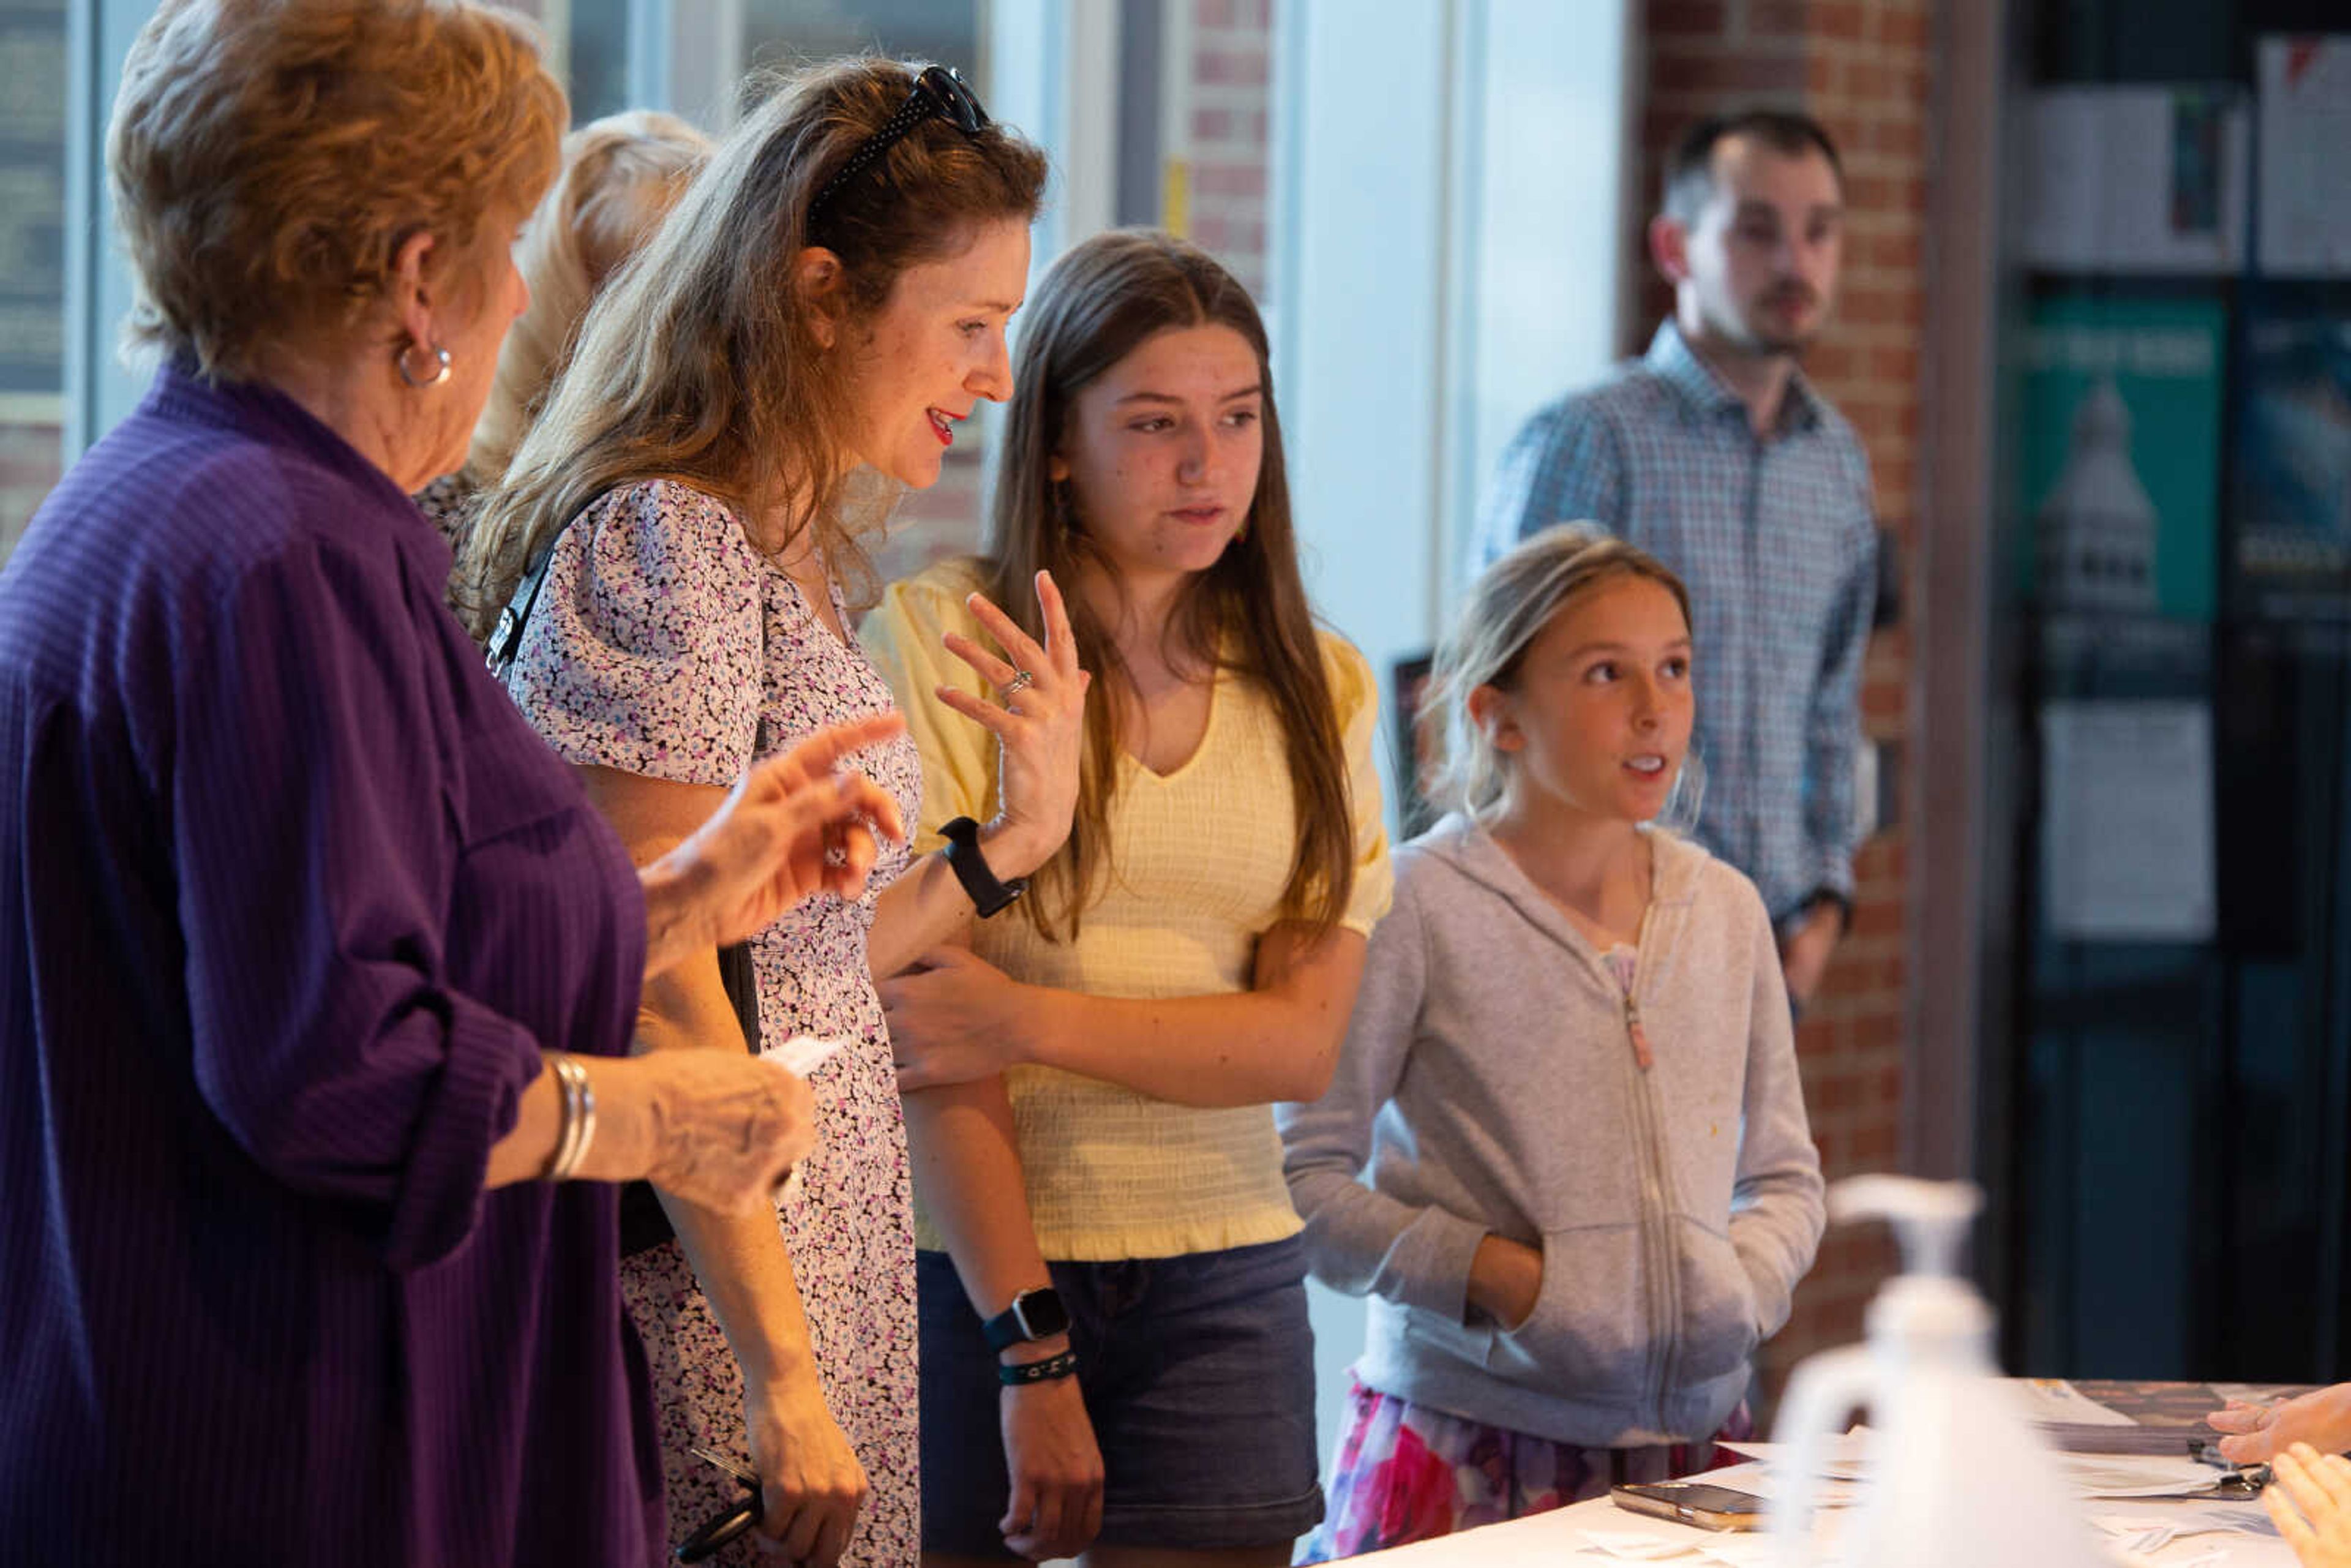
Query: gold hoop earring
column 440, row 370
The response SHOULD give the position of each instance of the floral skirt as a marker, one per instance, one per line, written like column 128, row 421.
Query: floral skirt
column 1406, row 1472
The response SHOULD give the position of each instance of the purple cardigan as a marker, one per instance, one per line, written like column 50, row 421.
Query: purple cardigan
column 292, row 899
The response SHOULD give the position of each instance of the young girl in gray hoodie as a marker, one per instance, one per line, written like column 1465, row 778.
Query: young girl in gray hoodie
column 1565, row 1151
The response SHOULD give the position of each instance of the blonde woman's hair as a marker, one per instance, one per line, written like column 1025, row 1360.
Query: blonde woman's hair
column 1510, row 603
column 269, row 159
column 701, row 361
column 619, row 177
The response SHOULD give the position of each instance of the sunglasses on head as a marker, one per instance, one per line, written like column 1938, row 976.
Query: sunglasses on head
column 938, row 90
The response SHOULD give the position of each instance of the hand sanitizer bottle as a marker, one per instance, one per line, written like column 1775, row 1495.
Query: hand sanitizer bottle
column 1956, row 1477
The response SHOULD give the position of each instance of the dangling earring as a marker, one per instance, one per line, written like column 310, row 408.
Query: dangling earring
column 440, row 370
column 1241, row 533
column 1063, row 516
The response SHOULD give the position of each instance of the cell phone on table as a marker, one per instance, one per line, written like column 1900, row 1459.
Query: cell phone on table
column 1692, row 1502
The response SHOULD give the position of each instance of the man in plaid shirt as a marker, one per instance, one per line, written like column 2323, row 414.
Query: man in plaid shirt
column 1714, row 453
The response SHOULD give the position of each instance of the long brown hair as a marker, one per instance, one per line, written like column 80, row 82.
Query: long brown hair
column 1248, row 612
column 702, row 362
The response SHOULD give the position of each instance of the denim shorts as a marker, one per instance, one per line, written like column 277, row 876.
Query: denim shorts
column 1197, row 1372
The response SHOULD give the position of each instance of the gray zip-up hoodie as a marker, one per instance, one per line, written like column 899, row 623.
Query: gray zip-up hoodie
column 1490, row 1082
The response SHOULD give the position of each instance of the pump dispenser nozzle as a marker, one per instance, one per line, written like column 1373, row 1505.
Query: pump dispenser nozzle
column 1930, row 1218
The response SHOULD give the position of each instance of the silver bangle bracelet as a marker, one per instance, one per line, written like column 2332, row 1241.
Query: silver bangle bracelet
column 578, row 1129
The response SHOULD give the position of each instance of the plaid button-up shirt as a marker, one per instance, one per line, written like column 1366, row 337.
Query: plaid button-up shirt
column 1776, row 539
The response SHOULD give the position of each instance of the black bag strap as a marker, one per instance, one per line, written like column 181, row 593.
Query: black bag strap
column 643, row 1225
column 742, row 983
column 506, row 637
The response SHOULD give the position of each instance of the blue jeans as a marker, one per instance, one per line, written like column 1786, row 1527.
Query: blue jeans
column 1197, row 1372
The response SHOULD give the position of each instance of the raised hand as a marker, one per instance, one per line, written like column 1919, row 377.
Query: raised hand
column 792, row 827
column 1040, row 724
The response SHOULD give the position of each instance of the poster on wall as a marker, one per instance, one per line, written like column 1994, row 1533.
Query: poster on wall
column 2134, row 179
column 2290, row 492
column 2119, row 455
column 2304, row 83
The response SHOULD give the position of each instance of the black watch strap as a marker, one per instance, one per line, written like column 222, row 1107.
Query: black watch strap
column 988, row 895
column 1033, row 1315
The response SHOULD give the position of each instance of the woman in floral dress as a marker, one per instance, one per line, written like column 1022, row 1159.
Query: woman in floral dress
column 830, row 296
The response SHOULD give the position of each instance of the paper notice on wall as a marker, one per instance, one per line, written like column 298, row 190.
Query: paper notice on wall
column 2126, row 822
column 2305, row 178
column 2134, row 179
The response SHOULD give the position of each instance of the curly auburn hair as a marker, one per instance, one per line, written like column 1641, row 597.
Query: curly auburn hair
column 269, row 159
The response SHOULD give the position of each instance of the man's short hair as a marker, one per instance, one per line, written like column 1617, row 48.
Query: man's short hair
column 1689, row 172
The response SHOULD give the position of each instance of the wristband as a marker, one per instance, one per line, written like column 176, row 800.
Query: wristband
column 988, row 895
column 1050, row 1369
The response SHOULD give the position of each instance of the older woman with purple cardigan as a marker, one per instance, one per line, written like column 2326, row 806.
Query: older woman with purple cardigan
column 320, row 971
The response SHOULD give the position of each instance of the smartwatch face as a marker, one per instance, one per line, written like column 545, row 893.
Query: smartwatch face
column 1041, row 1314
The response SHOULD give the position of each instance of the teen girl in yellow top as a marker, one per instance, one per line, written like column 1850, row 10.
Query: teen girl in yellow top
column 1090, row 1082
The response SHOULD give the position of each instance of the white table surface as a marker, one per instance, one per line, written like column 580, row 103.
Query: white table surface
column 1557, row 1540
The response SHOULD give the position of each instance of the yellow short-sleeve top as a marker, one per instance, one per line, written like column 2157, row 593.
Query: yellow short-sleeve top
column 1198, row 860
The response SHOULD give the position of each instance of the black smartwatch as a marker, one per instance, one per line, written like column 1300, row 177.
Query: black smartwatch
column 1033, row 1315
column 988, row 895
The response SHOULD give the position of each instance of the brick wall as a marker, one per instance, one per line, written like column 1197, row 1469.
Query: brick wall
column 1861, row 67
column 1228, row 135
column 29, row 457
column 948, row 519
column 34, row 67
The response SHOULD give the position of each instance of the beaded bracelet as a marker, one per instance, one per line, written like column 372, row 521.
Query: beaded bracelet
column 1053, row 1366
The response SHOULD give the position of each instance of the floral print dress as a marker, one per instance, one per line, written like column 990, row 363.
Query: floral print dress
column 664, row 644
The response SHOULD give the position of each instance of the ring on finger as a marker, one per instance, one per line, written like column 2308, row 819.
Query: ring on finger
column 1021, row 681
